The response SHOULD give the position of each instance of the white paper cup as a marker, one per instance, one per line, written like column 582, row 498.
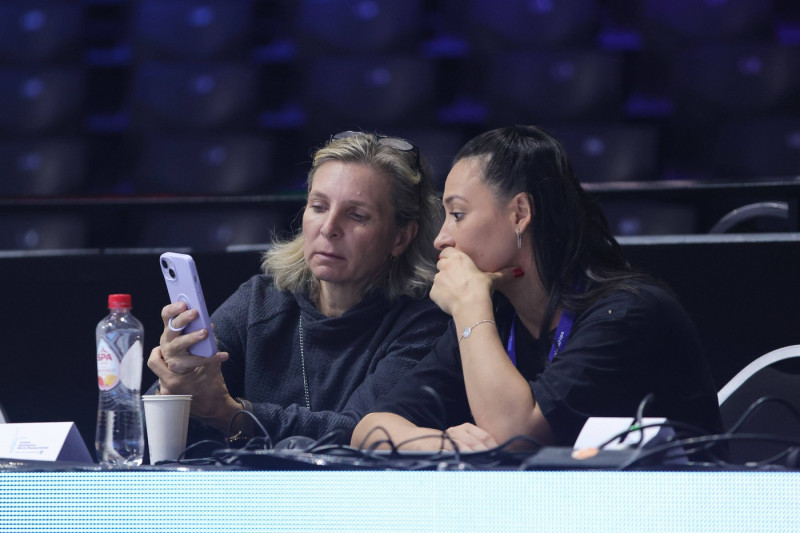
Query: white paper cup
column 167, row 421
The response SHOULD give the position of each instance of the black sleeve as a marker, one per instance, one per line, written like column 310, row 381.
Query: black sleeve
column 624, row 348
column 432, row 394
column 227, row 320
column 421, row 326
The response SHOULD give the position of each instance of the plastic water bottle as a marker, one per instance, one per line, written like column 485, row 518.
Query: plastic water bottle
column 119, row 439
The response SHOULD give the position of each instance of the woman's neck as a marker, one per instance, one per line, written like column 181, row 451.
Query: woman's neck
column 529, row 299
column 335, row 300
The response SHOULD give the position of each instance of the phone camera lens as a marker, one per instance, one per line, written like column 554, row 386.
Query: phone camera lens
column 164, row 263
column 171, row 273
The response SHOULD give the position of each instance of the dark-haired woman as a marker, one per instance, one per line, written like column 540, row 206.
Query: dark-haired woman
column 550, row 324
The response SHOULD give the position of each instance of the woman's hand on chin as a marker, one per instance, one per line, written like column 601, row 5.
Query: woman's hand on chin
column 458, row 283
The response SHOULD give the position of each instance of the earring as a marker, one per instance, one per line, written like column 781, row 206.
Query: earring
column 519, row 238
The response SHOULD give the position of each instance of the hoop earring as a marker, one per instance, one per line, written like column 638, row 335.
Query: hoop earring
column 519, row 238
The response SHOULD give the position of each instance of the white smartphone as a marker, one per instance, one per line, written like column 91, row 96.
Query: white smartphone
column 183, row 285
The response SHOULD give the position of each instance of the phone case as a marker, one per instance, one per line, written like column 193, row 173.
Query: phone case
column 183, row 284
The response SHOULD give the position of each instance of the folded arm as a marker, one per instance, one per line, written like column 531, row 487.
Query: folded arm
column 385, row 430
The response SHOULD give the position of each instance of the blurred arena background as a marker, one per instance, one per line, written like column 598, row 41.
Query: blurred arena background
column 125, row 113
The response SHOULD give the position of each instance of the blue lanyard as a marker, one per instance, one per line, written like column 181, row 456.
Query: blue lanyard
column 562, row 332
column 562, row 335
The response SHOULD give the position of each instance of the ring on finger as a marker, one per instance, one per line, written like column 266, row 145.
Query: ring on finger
column 173, row 328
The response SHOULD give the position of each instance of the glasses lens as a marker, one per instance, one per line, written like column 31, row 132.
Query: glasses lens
column 346, row 134
column 396, row 142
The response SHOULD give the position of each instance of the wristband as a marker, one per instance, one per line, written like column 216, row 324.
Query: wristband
column 244, row 434
column 246, row 404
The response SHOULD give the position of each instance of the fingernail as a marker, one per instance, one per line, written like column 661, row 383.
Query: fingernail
column 518, row 272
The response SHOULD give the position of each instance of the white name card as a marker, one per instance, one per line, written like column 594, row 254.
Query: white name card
column 43, row 441
column 598, row 430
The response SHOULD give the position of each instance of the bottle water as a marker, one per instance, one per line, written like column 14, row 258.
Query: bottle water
column 119, row 439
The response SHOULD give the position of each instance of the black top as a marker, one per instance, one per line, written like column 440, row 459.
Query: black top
column 623, row 347
column 350, row 360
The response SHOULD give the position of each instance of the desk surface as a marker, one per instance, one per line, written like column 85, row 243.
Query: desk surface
column 588, row 501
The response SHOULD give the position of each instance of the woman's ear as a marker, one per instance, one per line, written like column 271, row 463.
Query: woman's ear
column 523, row 210
column 404, row 237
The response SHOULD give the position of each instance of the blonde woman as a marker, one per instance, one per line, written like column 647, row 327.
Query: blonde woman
column 341, row 310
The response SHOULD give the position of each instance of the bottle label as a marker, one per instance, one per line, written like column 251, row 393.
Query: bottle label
column 107, row 366
column 130, row 368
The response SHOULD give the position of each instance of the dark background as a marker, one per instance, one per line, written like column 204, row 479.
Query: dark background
column 167, row 99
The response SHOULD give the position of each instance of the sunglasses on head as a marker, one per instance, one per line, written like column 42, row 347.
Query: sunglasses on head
column 395, row 142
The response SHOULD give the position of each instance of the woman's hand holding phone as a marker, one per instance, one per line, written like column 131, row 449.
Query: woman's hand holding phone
column 176, row 346
column 188, row 339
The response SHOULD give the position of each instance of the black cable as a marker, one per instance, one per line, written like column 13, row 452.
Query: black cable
column 691, row 441
column 182, row 459
column 444, row 438
column 439, row 404
column 757, row 405
column 374, row 445
column 258, row 443
column 778, row 456
column 254, row 419
column 675, row 424
column 743, row 418
column 640, row 415
column 333, row 436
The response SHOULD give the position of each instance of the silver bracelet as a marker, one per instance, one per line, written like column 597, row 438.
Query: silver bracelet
column 468, row 330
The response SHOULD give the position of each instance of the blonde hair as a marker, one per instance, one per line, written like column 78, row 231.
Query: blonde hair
column 413, row 198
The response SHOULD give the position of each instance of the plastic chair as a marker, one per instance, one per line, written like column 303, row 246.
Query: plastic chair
column 669, row 25
column 40, row 31
column 366, row 93
column 192, row 29
column 603, row 152
column 43, row 232
column 41, row 167
column 779, row 211
column 716, row 84
column 775, row 374
column 518, row 24
column 635, row 218
column 38, row 100
column 207, row 165
column 185, row 97
column 760, row 147
column 358, row 26
column 560, row 85
column 739, row 79
column 211, row 230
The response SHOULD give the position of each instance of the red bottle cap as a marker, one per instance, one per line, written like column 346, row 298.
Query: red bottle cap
column 119, row 300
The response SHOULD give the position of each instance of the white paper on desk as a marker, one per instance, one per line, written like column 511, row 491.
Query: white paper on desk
column 598, row 430
column 43, row 441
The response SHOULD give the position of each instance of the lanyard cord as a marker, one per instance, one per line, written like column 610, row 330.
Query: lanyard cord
column 562, row 335
column 563, row 330
column 303, row 362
